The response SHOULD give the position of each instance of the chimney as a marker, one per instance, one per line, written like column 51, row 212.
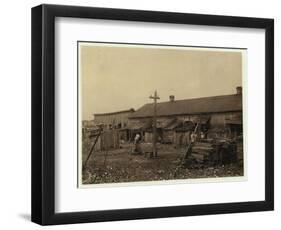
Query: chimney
column 239, row 90
column 172, row 98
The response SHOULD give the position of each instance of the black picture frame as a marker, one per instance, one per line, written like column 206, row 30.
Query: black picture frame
column 43, row 113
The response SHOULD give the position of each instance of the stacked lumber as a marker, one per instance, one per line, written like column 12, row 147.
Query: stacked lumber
column 201, row 152
column 215, row 152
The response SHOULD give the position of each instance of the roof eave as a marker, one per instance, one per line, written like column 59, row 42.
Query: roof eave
column 185, row 114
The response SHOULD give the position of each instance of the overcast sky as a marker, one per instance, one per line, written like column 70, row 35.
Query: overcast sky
column 120, row 77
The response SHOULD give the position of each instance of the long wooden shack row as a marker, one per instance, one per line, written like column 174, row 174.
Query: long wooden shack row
column 216, row 116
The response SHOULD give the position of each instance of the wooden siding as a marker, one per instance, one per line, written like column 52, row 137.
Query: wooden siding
column 118, row 120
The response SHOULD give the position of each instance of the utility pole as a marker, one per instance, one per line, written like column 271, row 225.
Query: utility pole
column 155, row 98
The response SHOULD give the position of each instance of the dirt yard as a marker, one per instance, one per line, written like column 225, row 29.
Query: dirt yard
column 120, row 165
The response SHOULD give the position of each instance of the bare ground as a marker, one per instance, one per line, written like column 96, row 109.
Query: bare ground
column 119, row 165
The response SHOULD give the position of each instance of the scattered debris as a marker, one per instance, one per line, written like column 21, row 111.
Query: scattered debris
column 121, row 166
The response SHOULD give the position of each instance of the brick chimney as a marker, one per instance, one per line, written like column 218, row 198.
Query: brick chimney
column 172, row 98
column 238, row 90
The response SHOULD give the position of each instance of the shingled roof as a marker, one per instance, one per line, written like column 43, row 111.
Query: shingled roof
column 216, row 104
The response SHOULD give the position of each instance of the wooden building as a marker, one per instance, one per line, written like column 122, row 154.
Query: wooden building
column 115, row 121
column 217, row 116
column 88, row 126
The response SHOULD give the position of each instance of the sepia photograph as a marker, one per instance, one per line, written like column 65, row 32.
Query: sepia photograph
column 159, row 113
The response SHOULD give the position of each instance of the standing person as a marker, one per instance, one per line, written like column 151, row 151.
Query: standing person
column 193, row 137
column 202, row 135
column 137, row 143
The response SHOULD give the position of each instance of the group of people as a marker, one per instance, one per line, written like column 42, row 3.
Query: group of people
column 194, row 136
column 137, row 140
